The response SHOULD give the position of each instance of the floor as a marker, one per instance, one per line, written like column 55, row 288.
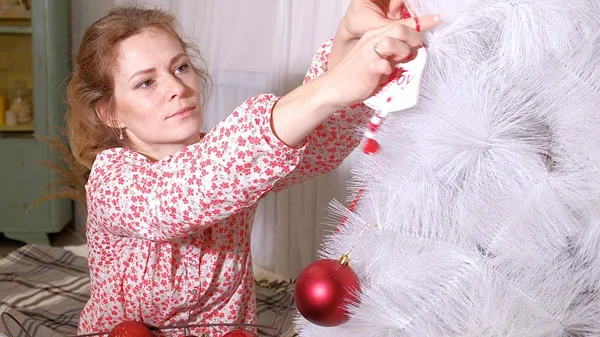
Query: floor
column 67, row 237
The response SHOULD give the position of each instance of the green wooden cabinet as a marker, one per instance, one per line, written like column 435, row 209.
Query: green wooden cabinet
column 22, row 179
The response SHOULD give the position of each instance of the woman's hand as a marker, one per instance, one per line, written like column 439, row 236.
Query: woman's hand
column 372, row 59
column 355, row 78
column 363, row 16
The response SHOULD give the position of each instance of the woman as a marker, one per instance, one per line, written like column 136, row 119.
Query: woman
column 170, row 209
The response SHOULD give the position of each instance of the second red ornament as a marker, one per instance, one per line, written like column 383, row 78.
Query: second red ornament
column 324, row 289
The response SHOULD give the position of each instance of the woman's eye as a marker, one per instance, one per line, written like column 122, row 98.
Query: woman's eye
column 144, row 84
column 181, row 68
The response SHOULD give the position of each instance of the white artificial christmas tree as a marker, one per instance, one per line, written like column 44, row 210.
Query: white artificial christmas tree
column 481, row 211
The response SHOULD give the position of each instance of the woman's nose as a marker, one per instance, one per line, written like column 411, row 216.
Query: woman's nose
column 176, row 87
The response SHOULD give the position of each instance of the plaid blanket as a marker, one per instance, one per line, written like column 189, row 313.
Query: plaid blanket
column 45, row 289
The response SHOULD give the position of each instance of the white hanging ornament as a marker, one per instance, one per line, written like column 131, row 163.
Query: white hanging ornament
column 401, row 92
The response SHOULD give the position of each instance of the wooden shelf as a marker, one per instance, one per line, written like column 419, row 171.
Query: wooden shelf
column 16, row 16
column 17, row 128
column 15, row 30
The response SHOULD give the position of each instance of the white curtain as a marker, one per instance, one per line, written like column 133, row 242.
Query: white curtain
column 252, row 47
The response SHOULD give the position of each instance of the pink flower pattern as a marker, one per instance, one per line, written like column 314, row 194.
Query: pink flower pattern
column 169, row 241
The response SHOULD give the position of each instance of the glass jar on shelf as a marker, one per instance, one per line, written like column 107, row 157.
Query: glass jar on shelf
column 21, row 102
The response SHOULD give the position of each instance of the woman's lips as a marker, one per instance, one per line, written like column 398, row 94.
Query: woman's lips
column 183, row 112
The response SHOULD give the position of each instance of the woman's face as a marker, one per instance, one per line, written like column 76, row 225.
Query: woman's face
column 157, row 94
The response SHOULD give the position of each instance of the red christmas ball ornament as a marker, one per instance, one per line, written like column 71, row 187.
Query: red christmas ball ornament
column 130, row 329
column 324, row 289
column 239, row 333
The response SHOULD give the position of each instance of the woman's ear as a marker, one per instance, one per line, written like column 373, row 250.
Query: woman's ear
column 103, row 112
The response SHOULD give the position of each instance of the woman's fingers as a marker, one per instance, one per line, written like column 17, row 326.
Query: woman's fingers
column 422, row 23
column 374, row 57
column 395, row 9
column 381, row 67
column 411, row 56
column 392, row 49
column 404, row 30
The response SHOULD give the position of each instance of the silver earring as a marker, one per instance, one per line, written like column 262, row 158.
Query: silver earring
column 120, row 133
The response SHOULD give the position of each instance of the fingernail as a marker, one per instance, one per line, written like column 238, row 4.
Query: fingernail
column 436, row 18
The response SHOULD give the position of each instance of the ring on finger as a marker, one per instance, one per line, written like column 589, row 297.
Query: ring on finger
column 378, row 52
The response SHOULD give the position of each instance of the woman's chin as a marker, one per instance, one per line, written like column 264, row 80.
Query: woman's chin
column 191, row 135
column 191, row 129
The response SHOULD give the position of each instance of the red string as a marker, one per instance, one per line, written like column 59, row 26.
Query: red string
column 405, row 12
column 406, row 15
column 352, row 207
column 354, row 202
